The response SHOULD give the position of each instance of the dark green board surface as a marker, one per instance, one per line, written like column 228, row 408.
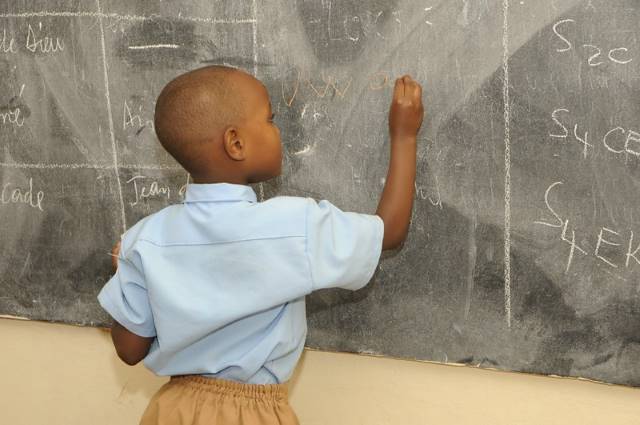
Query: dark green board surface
column 523, row 251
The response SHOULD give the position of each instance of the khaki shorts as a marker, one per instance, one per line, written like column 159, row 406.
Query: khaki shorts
column 198, row 400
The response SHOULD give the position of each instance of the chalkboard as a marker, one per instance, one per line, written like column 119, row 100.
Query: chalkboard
column 524, row 251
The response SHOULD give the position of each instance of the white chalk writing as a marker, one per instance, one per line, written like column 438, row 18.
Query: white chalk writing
column 606, row 239
column 7, row 43
column 133, row 119
column 350, row 27
column 564, row 134
column 42, row 44
column 421, row 192
column 617, row 140
column 144, row 191
column 568, row 46
column 596, row 55
column 12, row 116
column 11, row 194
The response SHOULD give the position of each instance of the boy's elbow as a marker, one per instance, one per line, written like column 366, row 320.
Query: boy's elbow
column 392, row 245
column 131, row 359
column 130, row 347
column 393, row 240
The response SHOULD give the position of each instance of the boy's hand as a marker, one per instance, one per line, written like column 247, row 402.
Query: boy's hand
column 115, row 252
column 406, row 112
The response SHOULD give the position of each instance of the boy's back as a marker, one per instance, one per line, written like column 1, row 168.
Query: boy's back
column 214, row 288
column 220, row 280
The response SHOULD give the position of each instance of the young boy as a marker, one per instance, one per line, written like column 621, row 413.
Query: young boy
column 211, row 291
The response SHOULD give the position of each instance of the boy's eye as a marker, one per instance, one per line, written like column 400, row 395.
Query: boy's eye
column 272, row 117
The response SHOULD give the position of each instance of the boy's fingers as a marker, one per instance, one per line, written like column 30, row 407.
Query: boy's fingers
column 398, row 90
column 410, row 90
column 115, row 253
column 407, row 87
column 417, row 92
column 413, row 87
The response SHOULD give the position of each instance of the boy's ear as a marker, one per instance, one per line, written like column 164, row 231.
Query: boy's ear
column 234, row 146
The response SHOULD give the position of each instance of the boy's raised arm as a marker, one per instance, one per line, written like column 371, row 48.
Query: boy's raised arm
column 396, row 201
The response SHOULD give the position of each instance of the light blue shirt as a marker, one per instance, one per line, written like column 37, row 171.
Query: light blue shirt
column 220, row 279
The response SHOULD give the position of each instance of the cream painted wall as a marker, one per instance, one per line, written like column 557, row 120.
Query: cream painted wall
column 64, row 375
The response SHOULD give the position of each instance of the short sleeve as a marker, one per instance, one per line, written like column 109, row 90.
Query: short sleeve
column 125, row 298
column 343, row 248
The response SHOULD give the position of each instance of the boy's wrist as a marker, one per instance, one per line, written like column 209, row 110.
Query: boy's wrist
column 405, row 141
column 404, row 138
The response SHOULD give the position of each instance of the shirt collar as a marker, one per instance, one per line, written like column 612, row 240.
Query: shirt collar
column 219, row 192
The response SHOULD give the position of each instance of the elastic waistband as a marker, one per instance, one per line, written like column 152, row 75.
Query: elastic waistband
column 276, row 392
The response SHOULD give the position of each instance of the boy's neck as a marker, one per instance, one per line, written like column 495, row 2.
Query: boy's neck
column 200, row 180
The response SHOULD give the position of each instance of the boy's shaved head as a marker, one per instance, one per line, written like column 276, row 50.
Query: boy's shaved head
column 195, row 108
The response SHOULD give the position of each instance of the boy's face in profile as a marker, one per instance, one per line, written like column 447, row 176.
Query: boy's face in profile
column 264, row 149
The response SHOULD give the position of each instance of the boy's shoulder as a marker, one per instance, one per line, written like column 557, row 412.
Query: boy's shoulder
column 295, row 209
column 284, row 212
column 275, row 217
column 299, row 204
column 147, row 226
